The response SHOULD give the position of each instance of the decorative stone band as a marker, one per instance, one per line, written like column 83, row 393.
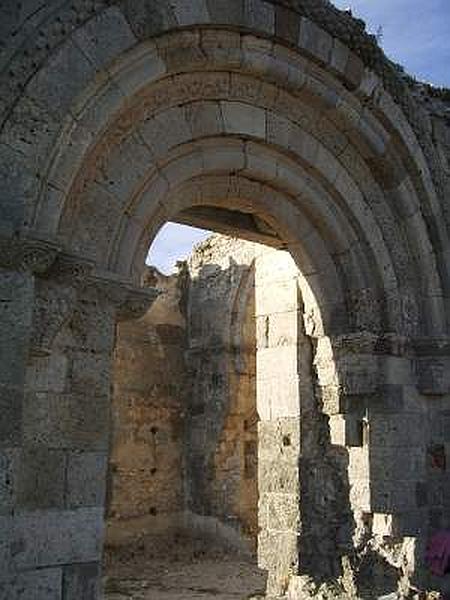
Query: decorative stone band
column 33, row 255
column 360, row 358
column 366, row 342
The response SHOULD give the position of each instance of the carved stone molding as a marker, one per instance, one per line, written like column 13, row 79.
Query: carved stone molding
column 57, row 293
column 391, row 344
column 129, row 302
column 20, row 254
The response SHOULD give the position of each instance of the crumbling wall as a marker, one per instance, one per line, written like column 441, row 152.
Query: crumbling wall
column 221, row 424
column 277, row 435
column 146, row 459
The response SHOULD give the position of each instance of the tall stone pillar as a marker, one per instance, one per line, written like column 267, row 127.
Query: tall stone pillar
column 54, row 463
column 278, row 405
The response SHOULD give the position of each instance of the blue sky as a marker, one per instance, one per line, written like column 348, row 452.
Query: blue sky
column 416, row 34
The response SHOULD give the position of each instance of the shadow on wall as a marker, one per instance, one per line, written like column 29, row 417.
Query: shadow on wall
column 229, row 426
column 221, row 417
column 327, row 523
column 183, row 456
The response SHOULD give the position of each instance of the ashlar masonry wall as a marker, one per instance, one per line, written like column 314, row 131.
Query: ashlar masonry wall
column 146, row 497
column 221, row 423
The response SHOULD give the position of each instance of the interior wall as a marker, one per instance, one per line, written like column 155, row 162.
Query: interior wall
column 146, row 458
column 221, row 424
column 184, row 442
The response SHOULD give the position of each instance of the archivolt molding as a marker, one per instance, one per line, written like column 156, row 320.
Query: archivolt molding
column 363, row 138
column 335, row 141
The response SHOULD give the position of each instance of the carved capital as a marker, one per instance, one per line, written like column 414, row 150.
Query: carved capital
column 56, row 296
column 128, row 301
column 21, row 254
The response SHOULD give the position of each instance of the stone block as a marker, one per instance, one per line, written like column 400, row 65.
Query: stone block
column 40, row 479
column 226, row 11
column 383, row 524
column 48, row 373
column 161, row 139
column 395, row 430
column 412, row 523
column 63, row 77
column 386, row 399
column 333, row 401
column 257, row 57
column 287, row 24
column 433, row 376
column 127, row 165
column 360, row 495
column 260, row 15
column 277, row 329
column 9, row 462
column 279, row 440
column 358, row 374
column 339, row 56
column 204, row 118
column 282, row 297
column 44, row 584
column 70, row 421
column 105, row 37
column 39, row 538
column 222, row 47
column 278, row 553
column 336, row 424
column 86, row 479
column 397, row 370
column 82, row 582
column 90, row 373
column 358, row 466
column 315, row 40
column 278, row 396
column 283, row 511
column 244, row 119
column 388, row 464
column 394, row 495
column 273, row 362
column 11, row 405
column 190, row 13
column 17, row 181
column 277, row 476
column 147, row 66
column 354, row 70
column 16, row 312
column 274, row 266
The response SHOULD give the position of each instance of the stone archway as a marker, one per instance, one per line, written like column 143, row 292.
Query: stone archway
column 117, row 118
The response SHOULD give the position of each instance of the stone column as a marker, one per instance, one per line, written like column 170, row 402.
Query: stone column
column 53, row 504
column 278, row 405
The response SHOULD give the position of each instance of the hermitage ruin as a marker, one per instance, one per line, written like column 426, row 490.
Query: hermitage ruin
column 281, row 404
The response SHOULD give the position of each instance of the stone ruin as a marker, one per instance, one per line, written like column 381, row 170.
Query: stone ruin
column 288, row 394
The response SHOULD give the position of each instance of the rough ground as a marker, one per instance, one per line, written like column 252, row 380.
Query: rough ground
column 182, row 576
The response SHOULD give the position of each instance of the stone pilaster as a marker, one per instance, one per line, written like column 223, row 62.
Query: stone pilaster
column 278, row 392
column 54, row 448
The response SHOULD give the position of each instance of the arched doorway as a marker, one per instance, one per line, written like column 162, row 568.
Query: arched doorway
column 260, row 113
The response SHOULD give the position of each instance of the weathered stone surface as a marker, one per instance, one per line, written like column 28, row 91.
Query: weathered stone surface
column 82, row 581
column 86, row 479
column 115, row 118
column 44, row 584
column 73, row 421
column 36, row 539
column 40, row 479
